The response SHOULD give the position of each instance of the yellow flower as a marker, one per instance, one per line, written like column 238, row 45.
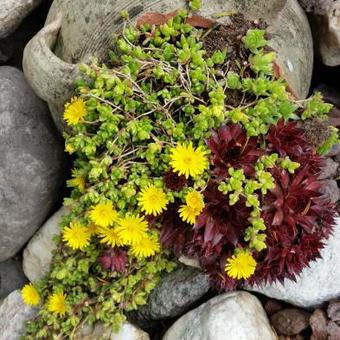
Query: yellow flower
column 77, row 181
column 147, row 246
column 110, row 237
column 69, row 149
column 56, row 303
column 30, row 295
column 92, row 229
column 193, row 207
column 74, row 111
column 76, row 236
column 103, row 214
column 132, row 229
column 241, row 265
column 188, row 161
column 152, row 200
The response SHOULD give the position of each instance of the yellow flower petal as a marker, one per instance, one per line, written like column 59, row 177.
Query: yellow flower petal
column 132, row 229
column 103, row 214
column 188, row 161
column 30, row 295
column 146, row 247
column 76, row 236
column 74, row 111
column 56, row 303
column 152, row 200
column 110, row 237
column 241, row 265
column 193, row 207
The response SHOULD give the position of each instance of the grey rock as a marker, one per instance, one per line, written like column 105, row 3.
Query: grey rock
column 335, row 151
column 329, row 168
column 30, row 163
column 333, row 311
column 38, row 252
column 13, row 315
column 12, row 277
column 175, row 294
column 317, row 283
column 333, row 330
column 13, row 12
column 325, row 22
column 318, row 323
column 330, row 190
column 290, row 321
column 99, row 331
column 233, row 316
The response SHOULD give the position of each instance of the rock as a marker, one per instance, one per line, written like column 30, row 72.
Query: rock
column 317, row 283
column 11, row 277
column 318, row 323
column 335, row 151
column 330, row 190
column 13, row 315
column 99, row 331
column 38, row 253
column 175, row 294
column 233, row 316
column 290, row 321
column 188, row 261
column 13, row 12
column 272, row 306
column 333, row 311
column 333, row 330
column 30, row 162
column 329, row 168
column 324, row 18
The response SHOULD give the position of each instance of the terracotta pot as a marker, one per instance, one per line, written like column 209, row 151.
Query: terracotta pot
column 76, row 30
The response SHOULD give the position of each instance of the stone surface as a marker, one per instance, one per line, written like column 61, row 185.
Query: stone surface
column 318, row 323
column 30, row 163
column 333, row 311
column 38, row 252
column 335, row 151
column 233, row 316
column 13, row 12
column 99, row 331
column 329, row 168
column 175, row 294
column 290, row 321
column 330, row 190
column 325, row 22
column 316, row 284
column 12, row 277
column 13, row 315
column 333, row 330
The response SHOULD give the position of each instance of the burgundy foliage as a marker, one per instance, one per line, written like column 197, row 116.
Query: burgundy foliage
column 297, row 218
column 174, row 181
column 114, row 259
column 230, row 146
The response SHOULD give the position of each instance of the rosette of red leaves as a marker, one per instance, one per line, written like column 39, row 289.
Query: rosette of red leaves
column 114, row 259
column 231, row 147
column 297, row 218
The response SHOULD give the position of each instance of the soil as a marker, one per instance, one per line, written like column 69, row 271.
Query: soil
column 316, row 131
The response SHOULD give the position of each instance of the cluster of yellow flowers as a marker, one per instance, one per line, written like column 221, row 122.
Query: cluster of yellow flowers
column 130, row 230
column 56, row 302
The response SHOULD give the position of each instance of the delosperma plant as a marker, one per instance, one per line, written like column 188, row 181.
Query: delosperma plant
column 181, row 148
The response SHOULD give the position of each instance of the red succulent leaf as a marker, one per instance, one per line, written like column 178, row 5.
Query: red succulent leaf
column 230, row 146
column 114, row 259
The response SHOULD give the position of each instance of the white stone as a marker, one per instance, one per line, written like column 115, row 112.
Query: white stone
column 233, row 316
column 13, row 315
column 13, row 12
column 38, row 253
column 99, row 331
column 316, row 284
